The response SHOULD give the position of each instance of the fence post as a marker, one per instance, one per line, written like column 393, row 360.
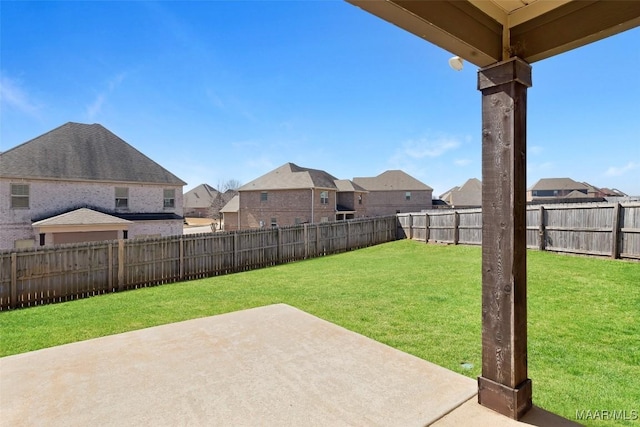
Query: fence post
column 279, row 253
column 410, row 224
column 615, row 232
column 427, row 228
column 181, row 259
column 541, row 232
column 120, row 264
column 456, row 227
column 236, row 243
column 306, row 240
column 348, row 247
column 14, row 281
column 110, row 267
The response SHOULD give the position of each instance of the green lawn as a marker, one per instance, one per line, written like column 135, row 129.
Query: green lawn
column 584, row 314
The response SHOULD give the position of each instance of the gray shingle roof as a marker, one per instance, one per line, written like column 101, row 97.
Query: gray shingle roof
column 392, row 180
column 348, row 186
column 82, row 216
column 545, row 184
column 77, row 151
column 201, row 196
column 470, row 194
column 291, row 176
column 232, row 206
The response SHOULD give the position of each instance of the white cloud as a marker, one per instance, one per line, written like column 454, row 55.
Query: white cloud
column 429, row 147
column 535, row 149
column 618, row 171
column 462, row 162
column 95, row 107
column 14, row 96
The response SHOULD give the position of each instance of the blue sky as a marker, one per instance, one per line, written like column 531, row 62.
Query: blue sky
column 221, row 90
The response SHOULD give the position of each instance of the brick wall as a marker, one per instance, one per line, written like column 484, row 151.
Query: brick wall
column 380, row 203
column 47, row 198
column 286, row 206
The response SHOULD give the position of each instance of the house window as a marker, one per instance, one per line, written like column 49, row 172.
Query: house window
column 20, row 196
column 407, row 195
column 169, row 198
column 324, row 197
column 122, row 197
column 125, row 234
column 297, row 221
column 263, row 196
column 42, row 239
column 360, row 199
column 274, row 222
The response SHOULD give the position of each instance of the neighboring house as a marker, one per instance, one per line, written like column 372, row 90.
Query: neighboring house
column 229, row 214
column 394, row 191
column 204, row 201
column 287, row 195
column 467, row 196
column 547, row 188
column 81, row 182
column 351, row 200
column 593, row 191
column 292, row 195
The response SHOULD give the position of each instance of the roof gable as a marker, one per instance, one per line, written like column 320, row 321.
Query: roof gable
column 546, row 184
column 291, row 176
column 232, row 205
column 392, row 180
column 345, row 185
column 77, row 151
column 82, row 216
column 469, row 194
column 201, row 196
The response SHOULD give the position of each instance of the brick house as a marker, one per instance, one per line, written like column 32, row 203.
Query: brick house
column 81, row 182
column 555, row 188
column 292, row 195
column 469, row 195
column 230, row 218
column 395, row 191
column 204, row 201
column 352, row 200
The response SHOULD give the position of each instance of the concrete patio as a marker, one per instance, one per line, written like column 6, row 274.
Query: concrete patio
column 269, row 366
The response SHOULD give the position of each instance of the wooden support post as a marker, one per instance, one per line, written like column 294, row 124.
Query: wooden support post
column 542, row 239
column 504, row 385
column 615, row 232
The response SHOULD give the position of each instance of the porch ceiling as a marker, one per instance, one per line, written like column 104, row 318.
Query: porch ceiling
column 484, row 32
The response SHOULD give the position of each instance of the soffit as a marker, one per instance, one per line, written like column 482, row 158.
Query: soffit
column 484, row 32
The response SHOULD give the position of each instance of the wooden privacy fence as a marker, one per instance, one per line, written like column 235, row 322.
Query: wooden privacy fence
column 52, row 274
column 603, row 229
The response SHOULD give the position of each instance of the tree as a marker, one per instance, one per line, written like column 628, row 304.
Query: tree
column 231, row 184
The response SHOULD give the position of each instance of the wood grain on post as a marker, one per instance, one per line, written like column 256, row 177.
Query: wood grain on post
column 504, row 385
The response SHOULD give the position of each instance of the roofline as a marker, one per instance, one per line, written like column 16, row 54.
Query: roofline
column 100, row 181
column 290, row 188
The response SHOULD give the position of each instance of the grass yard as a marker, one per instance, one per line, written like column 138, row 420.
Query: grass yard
column 584, row 314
